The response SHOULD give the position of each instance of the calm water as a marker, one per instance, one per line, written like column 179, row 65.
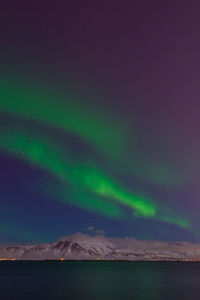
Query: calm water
column 99, row 280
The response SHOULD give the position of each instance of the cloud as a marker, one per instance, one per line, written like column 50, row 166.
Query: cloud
column 100, row 231
column 95, row 231
column 90, row 228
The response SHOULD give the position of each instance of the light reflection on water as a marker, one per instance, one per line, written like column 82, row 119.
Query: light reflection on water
column 99, row 280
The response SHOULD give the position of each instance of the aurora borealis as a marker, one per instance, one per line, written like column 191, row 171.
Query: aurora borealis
column 96, row 130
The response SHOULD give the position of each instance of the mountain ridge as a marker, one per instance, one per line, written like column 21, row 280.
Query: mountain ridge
column 87, row 247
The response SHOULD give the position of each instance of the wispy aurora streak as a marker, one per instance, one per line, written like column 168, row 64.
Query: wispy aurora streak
column 62, row 112
column 105, row 133
column 94, row 190
column 49, row 157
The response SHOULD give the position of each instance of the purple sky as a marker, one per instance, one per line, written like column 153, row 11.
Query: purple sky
column 137, row 60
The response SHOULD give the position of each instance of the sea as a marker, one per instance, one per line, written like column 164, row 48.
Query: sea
column 99, row 280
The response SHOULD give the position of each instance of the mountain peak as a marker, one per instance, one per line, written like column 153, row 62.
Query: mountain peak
column 90, row 247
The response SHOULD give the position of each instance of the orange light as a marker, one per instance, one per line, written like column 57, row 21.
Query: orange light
column 62, row 259
column 2, row 259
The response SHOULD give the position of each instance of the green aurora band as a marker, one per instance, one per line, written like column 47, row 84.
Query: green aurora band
column 89, row 186
column 50, row 158
column 109, row 135
column 93, row 190
column 62, row 112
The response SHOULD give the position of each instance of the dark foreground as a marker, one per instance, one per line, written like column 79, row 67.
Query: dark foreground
column 99, row 280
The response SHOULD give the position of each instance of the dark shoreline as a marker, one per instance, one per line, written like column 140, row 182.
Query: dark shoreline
column 99, row 261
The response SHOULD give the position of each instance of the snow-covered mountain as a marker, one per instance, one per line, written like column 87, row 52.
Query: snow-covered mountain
column 86, row 247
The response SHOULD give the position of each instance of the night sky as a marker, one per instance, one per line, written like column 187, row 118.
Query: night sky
column 99, row 120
